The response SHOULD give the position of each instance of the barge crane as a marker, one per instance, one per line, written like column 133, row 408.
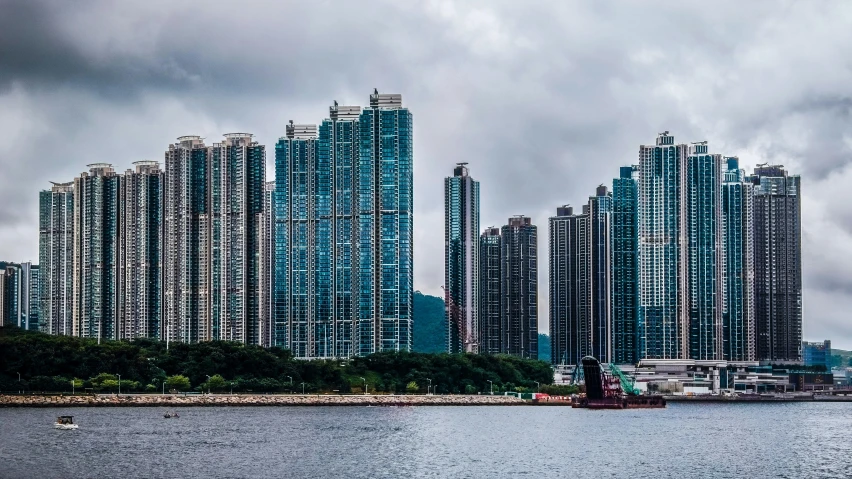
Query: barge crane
column 610, row 388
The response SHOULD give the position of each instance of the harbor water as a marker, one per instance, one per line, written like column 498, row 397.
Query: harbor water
column 789, row 440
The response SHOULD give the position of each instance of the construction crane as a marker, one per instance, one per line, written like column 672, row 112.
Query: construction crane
column 627, row 383
column 468, row 343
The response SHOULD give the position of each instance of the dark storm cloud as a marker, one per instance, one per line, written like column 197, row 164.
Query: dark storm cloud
column 544, row 100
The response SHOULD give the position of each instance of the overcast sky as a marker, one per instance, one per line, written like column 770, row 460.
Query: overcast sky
column 544, row 100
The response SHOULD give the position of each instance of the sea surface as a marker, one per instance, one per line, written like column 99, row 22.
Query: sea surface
column 789, row 440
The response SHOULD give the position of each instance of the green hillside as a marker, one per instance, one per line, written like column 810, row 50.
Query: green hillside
column 544, row 347
column 430, row 330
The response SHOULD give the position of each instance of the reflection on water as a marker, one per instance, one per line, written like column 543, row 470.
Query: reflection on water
column 684, row 440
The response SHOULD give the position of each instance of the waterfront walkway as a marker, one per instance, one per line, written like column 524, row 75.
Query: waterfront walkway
column 173, row 400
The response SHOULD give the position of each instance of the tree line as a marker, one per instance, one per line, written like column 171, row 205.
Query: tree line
column 65, row 364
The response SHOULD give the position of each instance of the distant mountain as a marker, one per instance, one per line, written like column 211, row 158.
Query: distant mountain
column 544, row 347
column 430, row 330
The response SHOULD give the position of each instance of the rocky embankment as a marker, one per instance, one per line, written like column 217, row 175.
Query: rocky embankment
column 172, row 400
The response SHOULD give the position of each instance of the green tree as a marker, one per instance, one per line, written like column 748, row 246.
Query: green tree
column 412, row 387
column 108, row 385
column 178, row 382
column 217, row 383
column 98, row 381
column 150, row 388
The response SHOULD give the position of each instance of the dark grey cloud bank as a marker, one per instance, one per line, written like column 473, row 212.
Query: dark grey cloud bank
column 545, row 100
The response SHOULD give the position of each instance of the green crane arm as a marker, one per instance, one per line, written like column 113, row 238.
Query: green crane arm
column 626, row 383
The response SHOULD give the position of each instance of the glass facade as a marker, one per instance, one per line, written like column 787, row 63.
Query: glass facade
column 625, row 272
column 386, row 203
column 817, row 354
column 343, row 232
column 705, row 254
column 738, row 313
column 663, row 255
column 681, row 261
column 298, row 272
column 461, row 260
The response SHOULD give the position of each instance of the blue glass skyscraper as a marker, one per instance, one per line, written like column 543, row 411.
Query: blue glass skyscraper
column 461, row 260
column 738, row 216
column 386, row 221
column 663, row 255
column 343, row 232
column 625, row 267
column 295, row 164
column 680, row 254
column 706, row 258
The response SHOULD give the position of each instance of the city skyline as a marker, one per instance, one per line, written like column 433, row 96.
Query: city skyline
column 595, row 115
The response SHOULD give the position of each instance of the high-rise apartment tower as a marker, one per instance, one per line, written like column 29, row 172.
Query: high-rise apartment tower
column 519, row 258
column 777, row 264
column 461, row 260
column 56, row 253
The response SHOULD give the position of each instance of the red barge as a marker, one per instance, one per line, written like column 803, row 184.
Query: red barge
column 610, row 389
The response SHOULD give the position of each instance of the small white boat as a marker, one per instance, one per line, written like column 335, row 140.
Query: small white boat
column 65, row 422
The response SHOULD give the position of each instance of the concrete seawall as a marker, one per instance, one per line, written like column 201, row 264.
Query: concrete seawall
column 176, row 400
column 754, row 398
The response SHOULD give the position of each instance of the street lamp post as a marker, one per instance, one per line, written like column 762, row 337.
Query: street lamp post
column 303, row 388
column 430, row 386
column 492, row 386
column 208, row 384
column 291, row 384
column 19, row 383
column 537, row 385
column 72, row 387
column 365, row 386
column 119, row 384
column 232, row 388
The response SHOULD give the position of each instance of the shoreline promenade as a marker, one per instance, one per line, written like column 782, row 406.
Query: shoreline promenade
column 177, row 400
